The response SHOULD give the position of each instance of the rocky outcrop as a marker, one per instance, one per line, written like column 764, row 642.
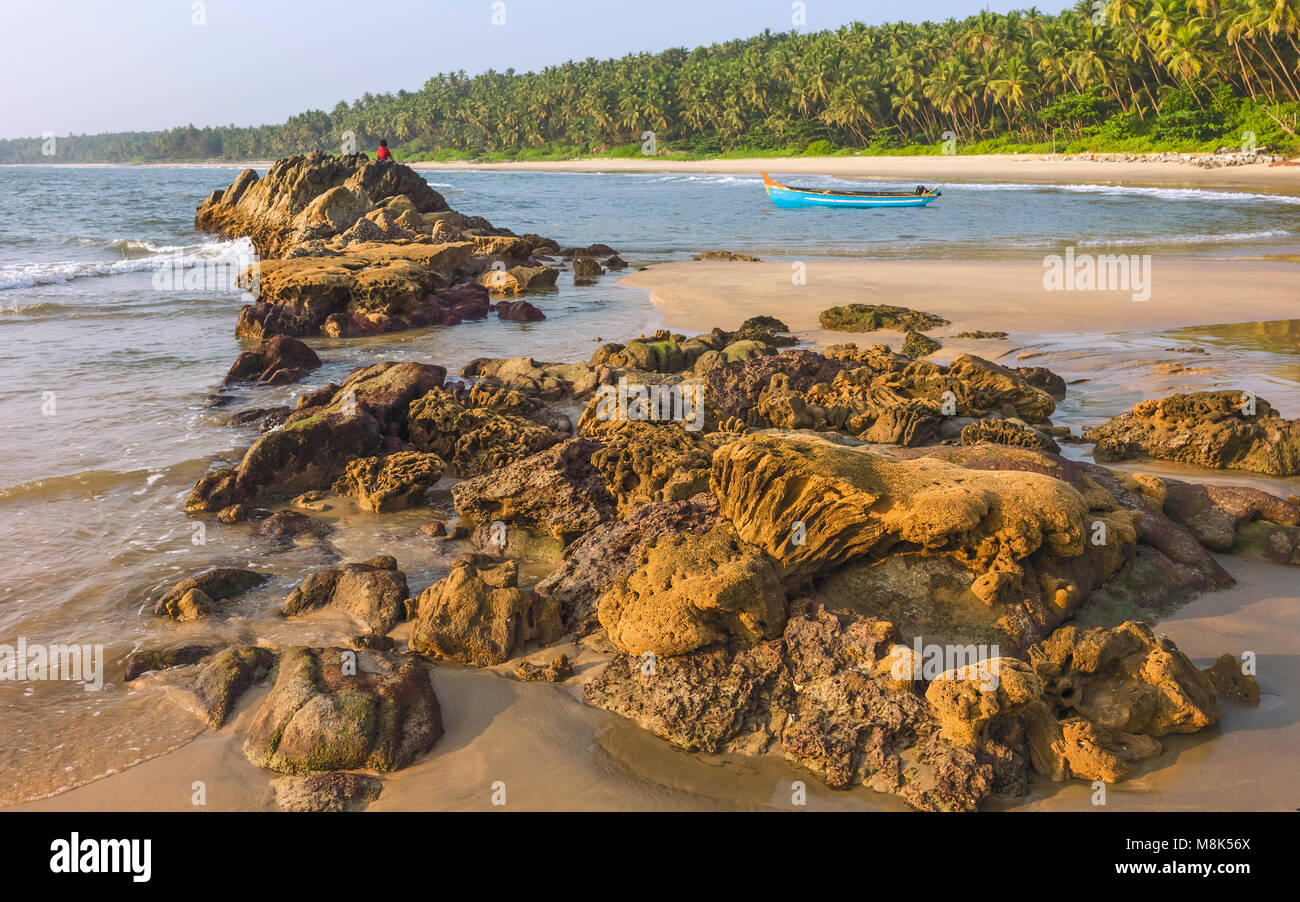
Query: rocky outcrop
column 1014, row 540
column 643, row 462
column 329, row 429
column 1219, row 429
column 313, row 191
column 374, row 592
column 477, row 433
column 326, row 713
column 479, row 615
column 557, row 492
column 393, row 482
column 1107, row 694
column 822, row 694
column 1007, row 432
column 199, row 596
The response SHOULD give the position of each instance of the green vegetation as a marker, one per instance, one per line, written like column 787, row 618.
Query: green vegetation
column 1132, row 75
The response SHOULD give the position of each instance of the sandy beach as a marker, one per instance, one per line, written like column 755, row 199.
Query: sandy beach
column 1058, row 170
column 985, row 295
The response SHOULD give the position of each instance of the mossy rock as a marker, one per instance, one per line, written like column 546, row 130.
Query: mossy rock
column 873, row 317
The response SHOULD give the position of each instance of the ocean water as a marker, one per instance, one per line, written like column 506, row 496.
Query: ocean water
column 107, row 423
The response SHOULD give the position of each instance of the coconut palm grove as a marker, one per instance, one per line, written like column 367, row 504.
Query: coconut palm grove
column 1123, row 75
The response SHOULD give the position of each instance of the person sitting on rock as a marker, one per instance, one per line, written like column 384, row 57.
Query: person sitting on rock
column 383, row 153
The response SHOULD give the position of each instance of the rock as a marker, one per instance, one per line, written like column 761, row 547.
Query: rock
column 612, row 551
column 279, row 360
column 726, row 256
column 393, row 482
column 1230, row 680
column 980, row 334
column 586, row 268
column 966, row 700
column 519, row 311
column 474, row 439
column 1214, row 513
column 916, row 345
column 236, row 513
column 1277, row 543
column 557, row 671
column 593, row 250
column 316, row 190
column 322, row 716
column 871, row 317
column 1208, row 429
column 1075, row 747
column 285, row 527
column 819, row 693
column 372, row 287
column 557, row 491
column 194, row 598
column 1125, row 679
column 547, row 381
column 518, row 279
column 433, row 528
column 335, row 791
column 139, row 663
column 615, row 262
column 478, row 615
column 319, row 439
column 693, row 590
column 643, row 462
column 374, row 592
column 1007, row 432
column 228, row 676
column 1043, row 378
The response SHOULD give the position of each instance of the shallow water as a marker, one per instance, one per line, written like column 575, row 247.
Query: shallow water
column 107, row 378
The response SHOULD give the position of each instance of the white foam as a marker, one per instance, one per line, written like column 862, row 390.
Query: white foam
column 29, row 275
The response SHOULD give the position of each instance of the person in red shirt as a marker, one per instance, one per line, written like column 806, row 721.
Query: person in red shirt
column 383, row 153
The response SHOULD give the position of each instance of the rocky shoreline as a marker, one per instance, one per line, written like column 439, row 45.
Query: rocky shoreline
column 778, row 550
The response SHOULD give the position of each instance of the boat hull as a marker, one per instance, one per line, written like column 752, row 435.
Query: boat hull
column 789, row 199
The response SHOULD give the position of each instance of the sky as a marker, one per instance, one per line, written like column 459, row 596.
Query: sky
column 88, row 66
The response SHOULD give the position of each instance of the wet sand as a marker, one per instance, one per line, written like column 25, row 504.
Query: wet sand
column 1029, row 168
column 986, row 295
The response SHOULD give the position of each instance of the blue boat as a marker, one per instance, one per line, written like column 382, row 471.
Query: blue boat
column 791, row 197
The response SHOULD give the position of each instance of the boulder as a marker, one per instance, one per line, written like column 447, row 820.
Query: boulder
column 279, row 360
column 138, row 663
column 197, row 597
column 478, row 615
column 325, row 713
column 374, row 592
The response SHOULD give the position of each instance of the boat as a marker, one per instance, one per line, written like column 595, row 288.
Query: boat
column 792, row 197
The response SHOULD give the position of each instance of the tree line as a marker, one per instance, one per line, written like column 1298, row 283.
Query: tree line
column 1121, row 74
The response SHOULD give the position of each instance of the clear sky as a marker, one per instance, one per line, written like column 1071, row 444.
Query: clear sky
column 87, row 66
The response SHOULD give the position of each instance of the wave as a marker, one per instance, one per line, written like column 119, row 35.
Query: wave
column 1140, row 191
column 139, row 256
column 88, row 481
